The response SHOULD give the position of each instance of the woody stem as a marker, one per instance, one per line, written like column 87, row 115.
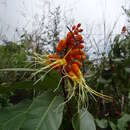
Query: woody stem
column 65, row 95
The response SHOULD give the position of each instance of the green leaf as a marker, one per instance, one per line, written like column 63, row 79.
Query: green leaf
column 117, row 60
column 122, row 122
column 83, row 121
column 127, row 70
column 102, row 123
column 113, row 126
column 10, row 115
column 42, row 114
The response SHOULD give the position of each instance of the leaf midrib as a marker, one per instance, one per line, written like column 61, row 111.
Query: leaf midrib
column 45, row 113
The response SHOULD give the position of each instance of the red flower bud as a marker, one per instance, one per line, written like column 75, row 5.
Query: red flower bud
column 79, row 24
column 73, row 27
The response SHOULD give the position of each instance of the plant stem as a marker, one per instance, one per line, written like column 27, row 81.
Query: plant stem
column 65, row 95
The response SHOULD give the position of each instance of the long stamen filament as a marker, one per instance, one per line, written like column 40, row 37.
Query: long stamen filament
column 42, row 77
column 60, row 83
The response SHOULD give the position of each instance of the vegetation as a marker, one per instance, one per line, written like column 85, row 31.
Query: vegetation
column 26, row 104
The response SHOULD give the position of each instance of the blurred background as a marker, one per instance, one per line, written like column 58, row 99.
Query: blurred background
column 98, row 17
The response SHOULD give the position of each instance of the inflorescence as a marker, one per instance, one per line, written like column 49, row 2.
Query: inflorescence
column 68, row 60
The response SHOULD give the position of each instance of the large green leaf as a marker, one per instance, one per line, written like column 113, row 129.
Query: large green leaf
column 122, row 122
column 10, row 115
column 102, row 123
column 83, row 121
column 112, row 125
column 42, row 114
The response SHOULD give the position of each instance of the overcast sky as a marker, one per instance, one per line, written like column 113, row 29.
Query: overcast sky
column 19, row 13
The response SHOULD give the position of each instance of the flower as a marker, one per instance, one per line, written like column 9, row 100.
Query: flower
column 76, row 76
column 69, row 58
column 48, row 62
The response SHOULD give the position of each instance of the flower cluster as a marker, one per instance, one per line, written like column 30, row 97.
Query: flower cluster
column 72, row 46
column 68, row 59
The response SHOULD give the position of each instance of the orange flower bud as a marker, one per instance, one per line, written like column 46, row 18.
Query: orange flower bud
column 70, row 43
column 61, row 46
column 79, row 37
column 80, row 57
column 80, row 46
column 72, row 75
column 68, row 67
column 69, row 58
column 76, row 69
column 78, row 63
column 77, row 51
column 69, row 36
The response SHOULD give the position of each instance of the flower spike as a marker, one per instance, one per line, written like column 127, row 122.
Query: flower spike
column 69, row 64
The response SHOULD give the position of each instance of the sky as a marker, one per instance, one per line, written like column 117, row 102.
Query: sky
column 91, row 13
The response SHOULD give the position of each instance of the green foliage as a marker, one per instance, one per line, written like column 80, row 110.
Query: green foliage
column 83, row 120
column 112, row 125
column 25, row 105
column 12, row 55
column 111, row 76
column 122, row 122
column 103, row 123
column 42, row 114
column 50, row 82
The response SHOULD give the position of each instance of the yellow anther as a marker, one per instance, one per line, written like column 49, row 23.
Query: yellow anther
column 62, row 62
